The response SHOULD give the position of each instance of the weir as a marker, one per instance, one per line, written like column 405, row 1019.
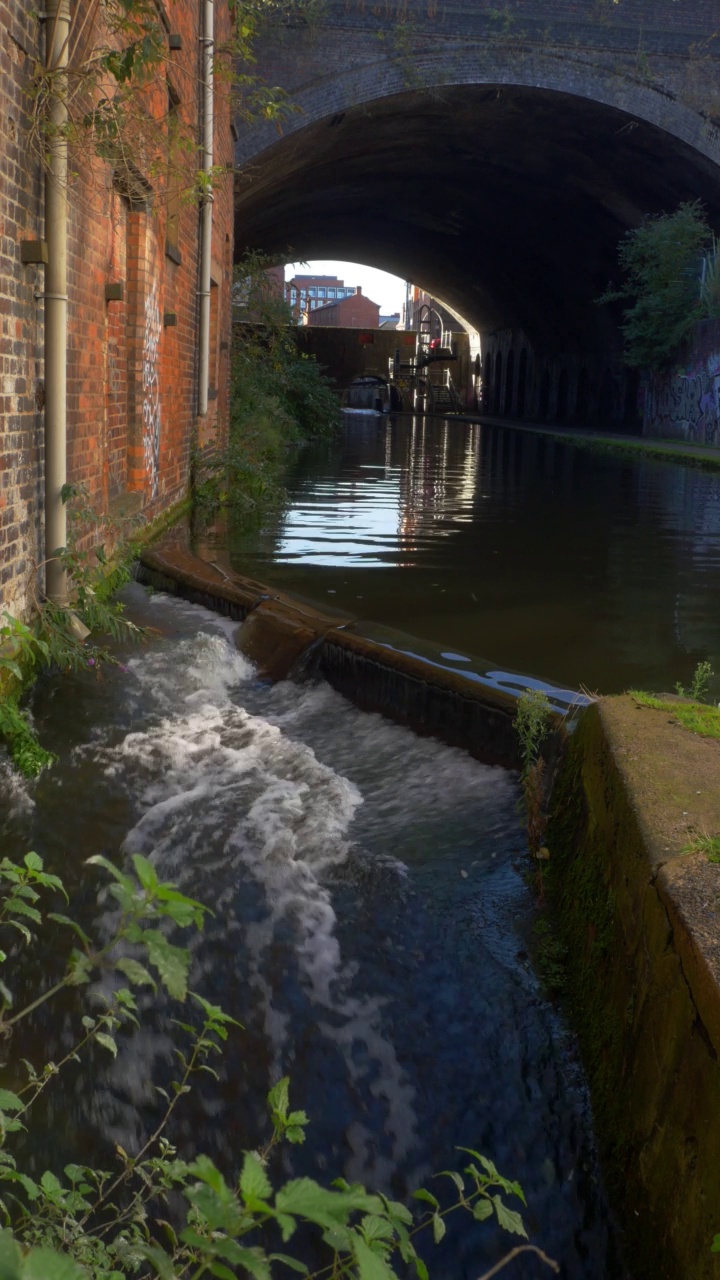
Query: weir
column 635, row 911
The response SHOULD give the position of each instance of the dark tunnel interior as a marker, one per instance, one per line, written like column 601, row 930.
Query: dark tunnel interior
column 507, row 203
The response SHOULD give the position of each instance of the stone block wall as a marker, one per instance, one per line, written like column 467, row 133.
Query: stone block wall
column 133, row 279
column 684, row 402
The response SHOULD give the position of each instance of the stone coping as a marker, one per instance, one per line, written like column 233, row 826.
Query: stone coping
column 672, row 780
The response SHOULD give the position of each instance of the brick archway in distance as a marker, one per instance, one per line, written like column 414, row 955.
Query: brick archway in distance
column 499, row 176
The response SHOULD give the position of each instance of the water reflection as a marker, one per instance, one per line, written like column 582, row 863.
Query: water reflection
column 571, row 565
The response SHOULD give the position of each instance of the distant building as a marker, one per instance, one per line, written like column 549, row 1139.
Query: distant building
column 390, row 322
column 306, row 293
column 421, row 307
column 352, row 312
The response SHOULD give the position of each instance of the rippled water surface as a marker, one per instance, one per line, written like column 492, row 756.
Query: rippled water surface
column 562, row 563
column 370, row 931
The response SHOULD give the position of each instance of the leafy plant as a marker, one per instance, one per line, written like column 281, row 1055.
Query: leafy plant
column 700, row 682
column 60, row 636
column 25, row 751
column 91, row 1224
column 709, row 845
column 661, row 261
column 279, row 398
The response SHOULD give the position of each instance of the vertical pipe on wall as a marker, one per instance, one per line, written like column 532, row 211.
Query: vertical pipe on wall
column 208, row 54
column 57, row 29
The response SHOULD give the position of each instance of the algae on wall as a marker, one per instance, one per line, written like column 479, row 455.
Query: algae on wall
column 652, row 1066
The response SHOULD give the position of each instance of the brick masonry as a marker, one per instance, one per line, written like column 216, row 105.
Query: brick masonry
column 656, row 59
column 132, row 305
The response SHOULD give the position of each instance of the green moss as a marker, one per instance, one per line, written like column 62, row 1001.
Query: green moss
column 698, row 717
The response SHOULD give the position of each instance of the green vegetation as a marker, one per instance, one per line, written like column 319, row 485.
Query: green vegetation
column 280, row 399
column 709, row 845
column 698, row 717
column 58, row 637
column 702, row 676
column 671, row 278
column 84, row 1223
column 533, row 724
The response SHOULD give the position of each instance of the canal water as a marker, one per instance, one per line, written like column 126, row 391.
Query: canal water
column 505, row 548
column 371, row 931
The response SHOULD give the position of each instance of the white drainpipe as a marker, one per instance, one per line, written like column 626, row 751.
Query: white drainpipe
column 208, row 48
column 56, row 219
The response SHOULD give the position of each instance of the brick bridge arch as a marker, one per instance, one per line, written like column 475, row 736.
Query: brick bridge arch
column 495, row 159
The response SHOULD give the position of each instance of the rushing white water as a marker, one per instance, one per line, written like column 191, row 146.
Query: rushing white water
column 367, row 924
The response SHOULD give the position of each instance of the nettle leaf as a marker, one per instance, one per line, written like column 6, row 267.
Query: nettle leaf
column 371, row 1266
column 427, row 1197
column 482, row 1209
column 254, row 1182
column 376, row 1228
column 145, row 872
column 79, row 968
column 136, row 972
column 307, row 1199
column 172, row 963
column 24, row 909
column 509, row 1220
column 51, row 1185
column 10, row 1101
column 438, row 1227
column 46, row 1264
column 107, row 1042
column 10, row 1257
column 33, row 862
column 160, row 1260
column 279, row 1096
column 181, row 909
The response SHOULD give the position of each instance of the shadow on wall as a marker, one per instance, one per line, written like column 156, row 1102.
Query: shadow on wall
column 520, row 384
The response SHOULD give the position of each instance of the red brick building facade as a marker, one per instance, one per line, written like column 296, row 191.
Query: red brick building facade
column 132, row 289
column 355, row 312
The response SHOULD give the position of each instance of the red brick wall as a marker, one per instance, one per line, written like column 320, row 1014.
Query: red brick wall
column 132, row 361
column 21, row 439
column 355, row 312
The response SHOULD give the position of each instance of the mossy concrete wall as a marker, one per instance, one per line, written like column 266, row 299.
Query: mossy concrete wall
column 640, row 921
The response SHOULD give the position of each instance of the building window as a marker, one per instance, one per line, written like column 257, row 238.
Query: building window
column 321, row 293
column 312, row 292
column 331, row 293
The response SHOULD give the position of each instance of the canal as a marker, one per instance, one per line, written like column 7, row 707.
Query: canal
column 372, row 924
column 510, row 549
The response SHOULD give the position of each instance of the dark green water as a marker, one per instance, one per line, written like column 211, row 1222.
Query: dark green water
column 561, row 563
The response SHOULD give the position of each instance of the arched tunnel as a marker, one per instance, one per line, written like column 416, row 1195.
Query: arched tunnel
column 505, row 201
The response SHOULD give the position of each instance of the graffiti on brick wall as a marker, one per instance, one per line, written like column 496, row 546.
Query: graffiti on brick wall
column 687, row 404
column 151, row 391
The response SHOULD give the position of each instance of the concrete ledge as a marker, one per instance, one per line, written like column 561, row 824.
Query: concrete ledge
column 641, row 919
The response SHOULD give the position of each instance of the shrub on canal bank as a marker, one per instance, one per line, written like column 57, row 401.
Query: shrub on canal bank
column 671, row 280
column 280, row 399
column 83, row 1223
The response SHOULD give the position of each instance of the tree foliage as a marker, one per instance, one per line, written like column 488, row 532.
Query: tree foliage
column 662, row 261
